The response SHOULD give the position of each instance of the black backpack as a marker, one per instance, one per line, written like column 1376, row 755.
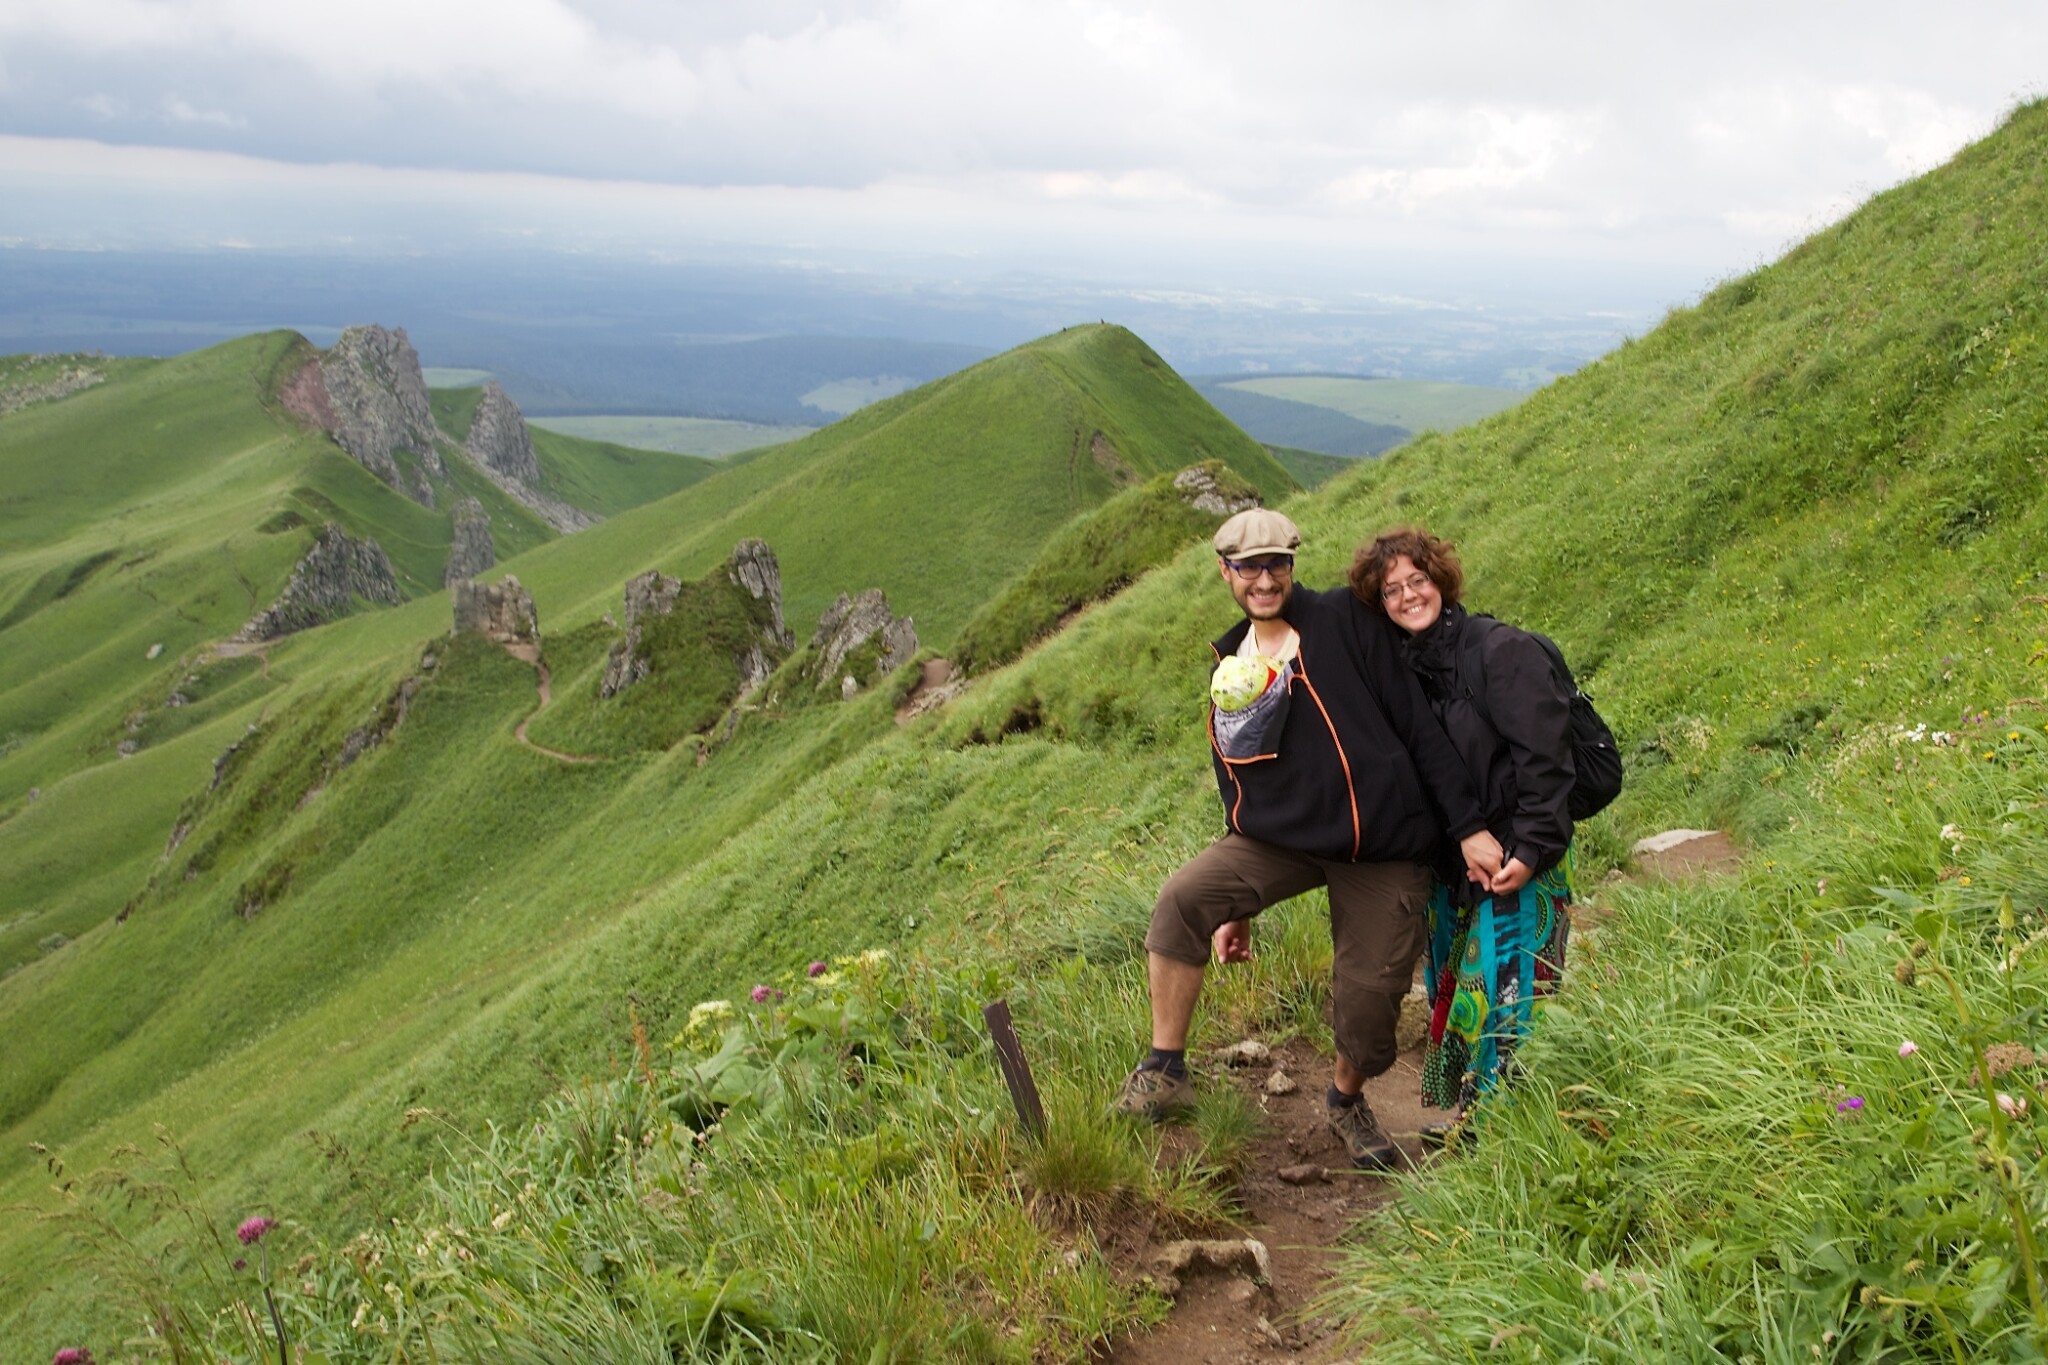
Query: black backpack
column 1596, row 761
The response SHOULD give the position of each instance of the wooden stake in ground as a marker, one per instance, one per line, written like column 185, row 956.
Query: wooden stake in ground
column 1016, row 1070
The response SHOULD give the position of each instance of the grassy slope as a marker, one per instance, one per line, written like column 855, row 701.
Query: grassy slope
column 1310, row 468
column 1803, row 512
column 976, row 469
column 179, row 1034
column 1416, row 404
column 709, row 437
column 163, row 507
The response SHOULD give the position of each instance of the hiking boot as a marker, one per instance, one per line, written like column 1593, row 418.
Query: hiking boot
column 1149, row 1093
column 1367, row 1144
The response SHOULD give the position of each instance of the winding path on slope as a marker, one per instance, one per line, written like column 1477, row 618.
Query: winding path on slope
column 530, row 654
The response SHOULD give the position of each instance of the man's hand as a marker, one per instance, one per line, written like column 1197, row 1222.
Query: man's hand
column 1233, row 942
column 1512, row 877
column 1483, row 857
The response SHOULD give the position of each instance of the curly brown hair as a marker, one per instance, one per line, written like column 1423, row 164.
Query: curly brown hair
column 1434, row 556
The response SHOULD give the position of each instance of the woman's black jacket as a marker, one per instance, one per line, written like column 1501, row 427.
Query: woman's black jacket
column 1512, row 727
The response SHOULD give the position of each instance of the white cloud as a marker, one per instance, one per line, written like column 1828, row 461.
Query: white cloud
column 1686, row 131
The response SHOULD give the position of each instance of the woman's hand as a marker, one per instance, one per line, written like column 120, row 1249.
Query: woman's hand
column 1483, row 855
column 1233, row 941
column 1513, row 877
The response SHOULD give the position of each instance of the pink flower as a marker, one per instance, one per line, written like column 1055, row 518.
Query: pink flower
column 1908, row 1048
column 1850, row 1105
column 815, row 969
column 252, row 1231
column 2010, row 1105
column 72, row 1355
column 761, row 994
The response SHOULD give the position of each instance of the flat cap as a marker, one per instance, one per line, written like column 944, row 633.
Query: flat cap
column 1257, row 531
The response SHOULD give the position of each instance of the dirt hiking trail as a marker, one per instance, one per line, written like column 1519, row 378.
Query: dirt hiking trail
column 530, row 653
column 1299, row 1196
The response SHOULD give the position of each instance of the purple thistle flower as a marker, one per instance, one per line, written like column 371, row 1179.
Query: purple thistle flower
column 815, row 969
column 1850, row 1105
column 761, row 994
column 72, row 1355
column 241, row 1264
column 251, row 1232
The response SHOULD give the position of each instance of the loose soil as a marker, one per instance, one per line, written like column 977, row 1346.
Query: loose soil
column 1223, row 1318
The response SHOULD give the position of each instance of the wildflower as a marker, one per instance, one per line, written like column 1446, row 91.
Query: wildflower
column 2012, row 1106
column 1850, row 1105
column 761, row 994
column 815, row 969
column 241, row 1264
column 1594, row 1283
column 72, row 1355
column 1952, row 834
column 709, row 1011
column 251, row 1232
column 1908, row 1048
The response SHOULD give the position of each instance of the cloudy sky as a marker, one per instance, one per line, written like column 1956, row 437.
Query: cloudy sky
column 1209, row 143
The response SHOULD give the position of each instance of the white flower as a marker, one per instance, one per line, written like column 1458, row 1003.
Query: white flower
column 1952, row 834
column 2011, row 1105
column 710, row 1010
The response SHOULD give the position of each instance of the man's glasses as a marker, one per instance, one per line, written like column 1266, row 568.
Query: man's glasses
column 1414, row 583
column 1248, row 569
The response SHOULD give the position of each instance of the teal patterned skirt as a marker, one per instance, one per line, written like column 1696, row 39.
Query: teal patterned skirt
column 1489, row 965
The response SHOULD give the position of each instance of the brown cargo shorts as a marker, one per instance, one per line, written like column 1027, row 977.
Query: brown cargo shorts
column 1376, row 927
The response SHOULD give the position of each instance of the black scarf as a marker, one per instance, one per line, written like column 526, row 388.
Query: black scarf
column 1433, row 652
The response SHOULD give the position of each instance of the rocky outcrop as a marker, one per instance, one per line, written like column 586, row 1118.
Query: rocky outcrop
column 470, row 548
column 376, row 406
column 649, row 595
column 501, row 611
column 859, row 641
column 499, row 439
column 753, row 570
column 1209, row 487
column 338, row 571
column 501, row 446
column 754, row 567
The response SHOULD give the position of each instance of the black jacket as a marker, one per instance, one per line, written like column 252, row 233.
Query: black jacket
column 1362, row 772
column 1512, row 728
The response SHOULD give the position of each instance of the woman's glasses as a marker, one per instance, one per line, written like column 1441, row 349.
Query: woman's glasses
column 1394, row 592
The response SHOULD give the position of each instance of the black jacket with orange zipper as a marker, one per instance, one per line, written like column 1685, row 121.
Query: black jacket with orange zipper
column 1362, row 772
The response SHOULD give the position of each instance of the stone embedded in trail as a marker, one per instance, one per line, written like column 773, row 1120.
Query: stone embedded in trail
column 1250, row 1052
column 1303, row 1173
column 501, row 611
column 1686, row 852
column 336, row 572
column 1280, row 1083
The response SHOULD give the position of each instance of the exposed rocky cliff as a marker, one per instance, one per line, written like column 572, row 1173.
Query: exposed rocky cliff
column 372, row 399
column 502, row 611
column 754, row 571
column 501, row 446
column 499, row 439
column 470, row 548
column 338, row 571
column 860, row 641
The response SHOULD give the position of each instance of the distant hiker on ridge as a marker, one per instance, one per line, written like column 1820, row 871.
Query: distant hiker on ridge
column 1333, row 772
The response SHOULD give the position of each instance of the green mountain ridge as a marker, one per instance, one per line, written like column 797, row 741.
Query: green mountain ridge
column 1774, row 536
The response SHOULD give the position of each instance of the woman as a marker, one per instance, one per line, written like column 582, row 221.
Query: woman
column 1494, row 948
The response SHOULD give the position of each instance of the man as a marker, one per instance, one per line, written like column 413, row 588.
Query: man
column 1353, row 797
